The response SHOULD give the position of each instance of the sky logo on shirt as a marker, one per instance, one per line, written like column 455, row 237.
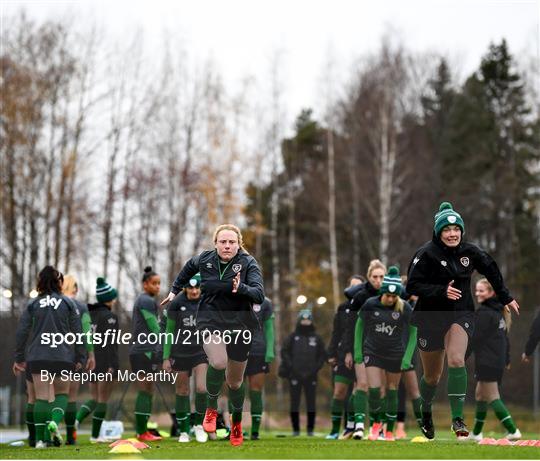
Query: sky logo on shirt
column 384, row 328
column 50, row 301
column 189, row 321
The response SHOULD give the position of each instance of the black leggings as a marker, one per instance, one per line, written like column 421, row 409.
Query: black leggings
column 295, row 388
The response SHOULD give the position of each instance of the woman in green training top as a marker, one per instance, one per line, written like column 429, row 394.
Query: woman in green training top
column 440, row 275
column 382, row 322
column 185, row 357
column 51, row 313
column 70, row 288
column 144, row 355
column 231, row 285
column 104, row 322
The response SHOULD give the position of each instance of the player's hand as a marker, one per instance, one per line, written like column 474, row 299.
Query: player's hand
column 525, row 358
column 508, row 367
column 78, row 366
column 513, row 306
column 332, row 361
column 167, row 365
column 452, row 293
column 348, row 360
column 236, row 283
column 19, row 368
column 168, row 299
column 91, row 362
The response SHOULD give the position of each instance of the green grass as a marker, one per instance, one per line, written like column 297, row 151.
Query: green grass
column 272, row 447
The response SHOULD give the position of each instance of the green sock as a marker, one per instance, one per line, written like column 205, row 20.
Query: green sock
column 49, row 419
column 183, row 412
column 383, row 410
column 256, row 402
column 375, row 404
column 360, row 398
column 97, row 418
column 337, row 413
column 86, row 408
column 236, row 397
column 59, row 408
column 480, row 416
column 391, row 409
column 143, row 410
column 427, row 394
column 29, row 417
column 41, row 415
column 457, row 388
column 416, row 404
column 200, row 407
column 214, row 381
column 350, row 411
column 504, row 415
column 69, row 417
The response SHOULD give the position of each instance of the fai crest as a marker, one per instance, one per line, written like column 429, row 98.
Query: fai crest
column 237, row 268
column 422, row 342
column 444, row 263
column 392, row 288
column 366, row 358
column 452, row 219
column 256, row 307
column 395, row 315
column 464, row 261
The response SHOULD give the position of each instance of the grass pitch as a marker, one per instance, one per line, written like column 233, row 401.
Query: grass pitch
column 272, row 447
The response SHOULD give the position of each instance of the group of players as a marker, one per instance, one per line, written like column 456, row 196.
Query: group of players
column 220, row 293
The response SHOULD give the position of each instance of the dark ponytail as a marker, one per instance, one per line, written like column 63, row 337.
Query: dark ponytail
column 49, row 281
column 148, row 273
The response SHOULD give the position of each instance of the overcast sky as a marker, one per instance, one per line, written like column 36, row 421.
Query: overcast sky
column 242, row 35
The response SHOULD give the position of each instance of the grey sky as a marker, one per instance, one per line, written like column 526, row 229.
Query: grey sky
column 241, row 35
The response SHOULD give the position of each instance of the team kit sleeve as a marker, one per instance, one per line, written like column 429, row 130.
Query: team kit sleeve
column 253, row 287
column 359, row 340
column 269, row 333
column 418, row 282
column 487, row 266
column 21, row 336
column 188, row 271
column 75, row 326
column 169, row 329
column 409, row 350
column 86, row 325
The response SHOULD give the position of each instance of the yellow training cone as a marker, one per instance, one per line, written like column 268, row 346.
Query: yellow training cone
column 419, row 439
column 124, row 448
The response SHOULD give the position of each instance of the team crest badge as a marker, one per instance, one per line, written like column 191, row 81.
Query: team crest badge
column 366, row 359
column 376, row 314
column 256, row 307
column 392, row 288
column 395, row 315
column 237, row 268
column 183, row 308
column 452, row 219
column 464, row 261
column 422, row 342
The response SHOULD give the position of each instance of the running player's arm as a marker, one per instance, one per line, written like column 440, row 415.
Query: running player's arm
column 183, row 277
column 21, row 336
column 419, row 276
column 350, row 292
column 487, row 266
column 253, row 287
